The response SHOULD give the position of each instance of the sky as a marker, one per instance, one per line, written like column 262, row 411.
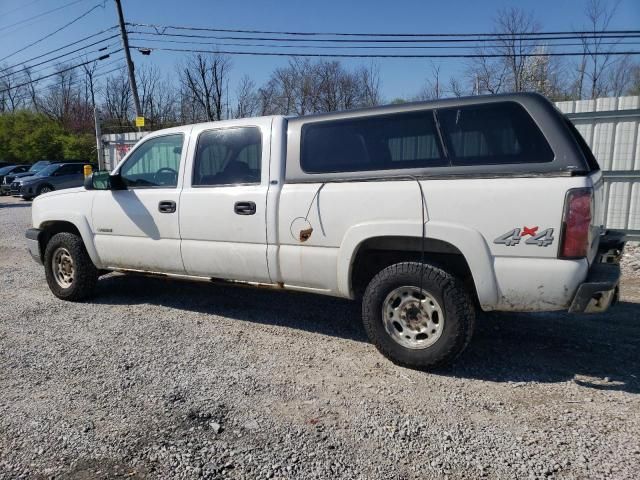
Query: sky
column 400, row 77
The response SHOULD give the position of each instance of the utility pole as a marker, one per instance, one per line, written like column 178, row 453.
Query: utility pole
column 130, row 68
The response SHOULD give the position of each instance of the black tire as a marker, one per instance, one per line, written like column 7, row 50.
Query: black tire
column 448, row 291
column 85, row 274
column 46, row 187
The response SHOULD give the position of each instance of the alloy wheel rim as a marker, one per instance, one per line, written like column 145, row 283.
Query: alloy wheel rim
column 412, row 318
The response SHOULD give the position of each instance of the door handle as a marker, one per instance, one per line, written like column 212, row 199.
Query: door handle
column 245, row 208
column 167, row 206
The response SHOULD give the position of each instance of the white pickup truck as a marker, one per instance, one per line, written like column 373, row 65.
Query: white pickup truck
column 426, row 212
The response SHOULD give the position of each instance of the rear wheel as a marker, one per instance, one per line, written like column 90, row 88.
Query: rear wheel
column 70, row 273
column 417, row 327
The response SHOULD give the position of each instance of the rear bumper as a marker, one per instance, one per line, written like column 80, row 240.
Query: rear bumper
column 601, row 288
column 599, row 291
column 33, row 243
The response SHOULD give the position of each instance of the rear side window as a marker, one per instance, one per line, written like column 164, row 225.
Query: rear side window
column 228, row 156
column 584, row 146
column 493, row 134
column 406, row 140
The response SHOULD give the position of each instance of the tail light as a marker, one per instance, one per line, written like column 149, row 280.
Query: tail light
column 576, row 223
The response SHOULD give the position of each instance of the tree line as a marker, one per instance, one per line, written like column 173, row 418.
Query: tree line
column 55, row 120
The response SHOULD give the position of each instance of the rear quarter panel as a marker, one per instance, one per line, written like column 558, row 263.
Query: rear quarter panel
column 468, row 213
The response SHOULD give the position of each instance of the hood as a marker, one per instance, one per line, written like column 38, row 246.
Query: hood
column 65, row 191
column 22, row 175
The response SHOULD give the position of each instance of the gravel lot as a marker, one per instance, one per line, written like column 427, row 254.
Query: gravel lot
column 160, row 379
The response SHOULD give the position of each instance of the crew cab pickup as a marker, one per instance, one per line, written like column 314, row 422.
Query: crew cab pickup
column 424, row 212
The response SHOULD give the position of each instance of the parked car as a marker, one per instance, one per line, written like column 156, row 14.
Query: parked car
column 56, row 176
column 5, row 187
column 426, row 212
column 11, row 170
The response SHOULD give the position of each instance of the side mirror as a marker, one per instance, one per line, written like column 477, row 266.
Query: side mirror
column 98, row 181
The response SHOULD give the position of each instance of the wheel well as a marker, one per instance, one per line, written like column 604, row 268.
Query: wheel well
column 49, row 229
column 375, row 254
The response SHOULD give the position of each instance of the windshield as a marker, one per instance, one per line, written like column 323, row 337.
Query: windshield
column 47, row 171
column 5, row 170
column 36, row 167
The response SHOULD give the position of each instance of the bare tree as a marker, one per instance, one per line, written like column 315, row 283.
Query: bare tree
column 487, row 75
column 247, row 101
column 12, row 98
column 157, row 96
column 455, row 87
column 620, row 76
column 118, row 100
column 433, row 88
column 61, row 96
column 511, row 24
column 634, row 82
column 371, row 85
column 597, row 58
column 203, row 78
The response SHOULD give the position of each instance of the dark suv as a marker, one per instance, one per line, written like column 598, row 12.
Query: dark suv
column 56, row 176
column 5, row 187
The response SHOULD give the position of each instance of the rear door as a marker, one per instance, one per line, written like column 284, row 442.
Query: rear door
column 223, row 203
column 68, row 176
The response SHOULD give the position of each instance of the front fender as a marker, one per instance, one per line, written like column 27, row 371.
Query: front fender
column 45, row 211
column 468, row 241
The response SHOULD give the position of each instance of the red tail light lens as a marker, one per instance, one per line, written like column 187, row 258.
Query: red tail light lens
column 576, row 223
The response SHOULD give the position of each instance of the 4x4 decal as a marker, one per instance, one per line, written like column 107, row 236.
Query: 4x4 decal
column 513, row 237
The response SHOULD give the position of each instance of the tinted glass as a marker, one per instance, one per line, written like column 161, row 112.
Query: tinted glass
column 496, row 133
column 69, row 169
column 228, row 156
column 5, row 170
column 406, row 140
column 155, row 163
column 47, row 170
column 36, row 167
column 584, row 146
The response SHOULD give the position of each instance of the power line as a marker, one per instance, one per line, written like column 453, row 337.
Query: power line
column 19, row 8
column 103, row 57
column 74, row 82
column 63, row 47
column 36, row 91
column 52, row 33
column 41, row 14
column 406, row 56
column 334, row 47
column 464, row 39
column 23, row 66
column 351, row 34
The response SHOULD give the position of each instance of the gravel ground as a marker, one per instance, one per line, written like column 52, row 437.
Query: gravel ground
column 160, row 379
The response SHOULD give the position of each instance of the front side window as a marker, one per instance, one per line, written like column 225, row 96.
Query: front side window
column 493, row 134
column 405, row 140
column 228, row 156
column 155, row 163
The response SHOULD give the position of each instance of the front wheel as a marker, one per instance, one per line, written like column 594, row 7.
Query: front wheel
column 70, row 273
column 45, row 189
column 414, row 327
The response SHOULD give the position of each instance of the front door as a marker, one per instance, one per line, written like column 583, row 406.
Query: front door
column 223, row 217
column 137, row 227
